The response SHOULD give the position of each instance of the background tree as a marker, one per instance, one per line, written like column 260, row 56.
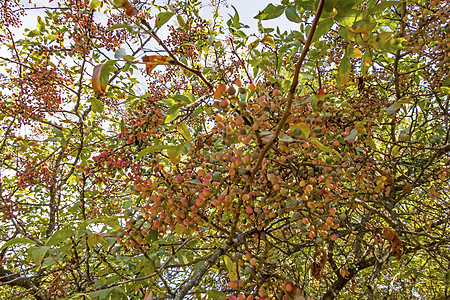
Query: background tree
column 251, row 163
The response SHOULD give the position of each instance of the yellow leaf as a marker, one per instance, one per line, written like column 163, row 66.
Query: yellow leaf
column 357, row 53
column 395, row 151
column 153, row 60
column 269, row 41
column 174, row 155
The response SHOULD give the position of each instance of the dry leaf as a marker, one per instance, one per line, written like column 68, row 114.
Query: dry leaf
column 391, row 236
column 407, row 189
column 154, row 60
column 148, row 295
column 317, row 266
column 130, row 10
column 96, row 83
column 344, row 272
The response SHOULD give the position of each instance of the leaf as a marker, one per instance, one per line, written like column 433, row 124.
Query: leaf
column 352, row 136
column 357, row 53
column 306, row 130
column 19, row 240
column 40, row 24
column 216, row 295
column 324, row 148
column 270, row 12
column 184, row 130
column 97, row 105
column 232, row 272
column 362, row 26
column 321, row 146
column 268, row 40
column 106, row 71
column 38, row 254
column 172, row 113
column 120, row 53
column 151, row 149
column 96, row 83
column 391, row 236
column 445, row 90
column 163, row 18
column 393, row 108
column 174, row 154
column 59, row 236
column 130, row 10
column 291, row 14
column 286, row 138
column 94, row 4
column 323, row 27
column 154, row 60
column 395, row 151
column 382, row 6
column 94, row 239
column 344, row 70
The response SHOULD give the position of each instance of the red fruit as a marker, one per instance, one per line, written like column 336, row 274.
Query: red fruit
column 289, row 287
column 233, row 297
column 225, row 102
column 252, row 86
column 238, row 82
column 233, row 285
column 220, row 90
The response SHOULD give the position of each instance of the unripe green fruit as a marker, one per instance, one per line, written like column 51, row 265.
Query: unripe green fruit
column 248, row 270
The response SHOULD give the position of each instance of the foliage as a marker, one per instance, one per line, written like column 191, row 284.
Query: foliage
column 151, row 152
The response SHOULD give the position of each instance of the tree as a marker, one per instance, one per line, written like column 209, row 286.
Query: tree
column 150, row 152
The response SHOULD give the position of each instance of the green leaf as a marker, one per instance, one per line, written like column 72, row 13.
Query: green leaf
column 184, row 130
column 344, row 70
column 120, row 53
column 393, row 108
column 270, row 12
column 34, row 33
column 286, row 138
column 39, row 253
column 172, row 113
column 306, row 130
column 106, row 71
column 181, row 98
column 216, row 295
column 445, row 90
column 352, row 136
column 59, row 236
column 232, row 272
column 15, row 241
column 324, row 27
column 382, row 6
column 195, row 181
column 163, row 18
column 97, row 105
column 40, row 24
column 94, row 239
column 291, row 14
column 323, row 147
column 151, row 149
